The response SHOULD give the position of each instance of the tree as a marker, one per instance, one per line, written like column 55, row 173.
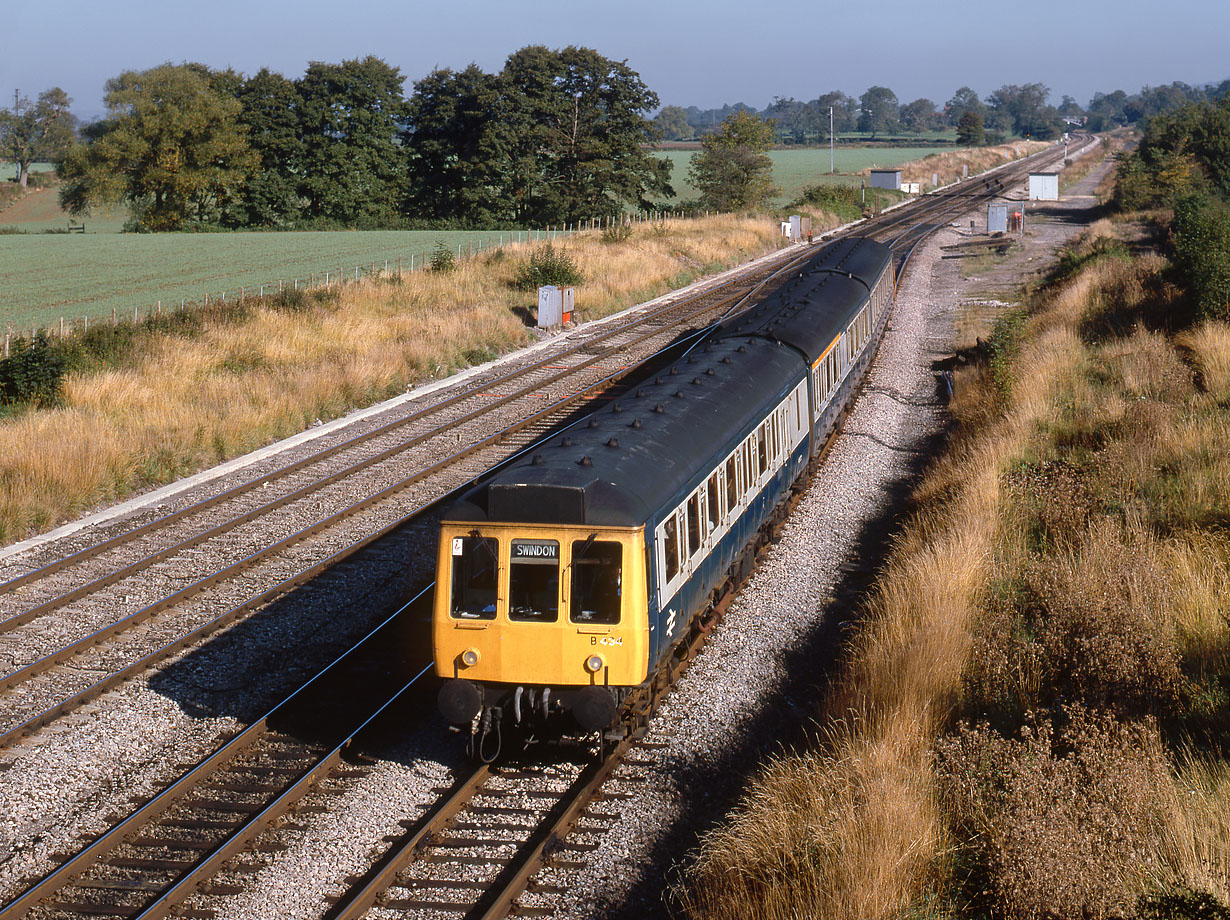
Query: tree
column 918, row 116
column 1023, row 110
column 878, row 112
column 970, row 132
column 578, row 131
column 39, row 132
column 171, row 146
column 733, row 171
column 270, row 112
column 962, row 101
column 349, row 116
column 845, row 111
column 672, row 121
column 456, row 140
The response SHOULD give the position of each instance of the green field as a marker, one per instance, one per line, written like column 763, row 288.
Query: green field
column 795, row 169
column 47, row 276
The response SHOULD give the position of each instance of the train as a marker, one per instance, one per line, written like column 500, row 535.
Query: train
column 569, row 577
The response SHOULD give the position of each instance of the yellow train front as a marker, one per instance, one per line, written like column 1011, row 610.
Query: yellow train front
column 568, row 578
column 534, row 620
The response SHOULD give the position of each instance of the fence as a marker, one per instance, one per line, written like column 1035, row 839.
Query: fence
column 373, row 270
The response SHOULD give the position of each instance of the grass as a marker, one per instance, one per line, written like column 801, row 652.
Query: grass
column 793, row 170
column 1031, row 719
column 45, row 277
column 179, row 397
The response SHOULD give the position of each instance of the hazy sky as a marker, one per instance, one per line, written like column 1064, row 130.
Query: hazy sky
column 689, row 52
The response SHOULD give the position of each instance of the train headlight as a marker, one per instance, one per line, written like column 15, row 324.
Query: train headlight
column 594, row 663
column 469, row 657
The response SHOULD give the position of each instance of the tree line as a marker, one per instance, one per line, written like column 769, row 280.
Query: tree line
column 556, row 136
column 1011, row 110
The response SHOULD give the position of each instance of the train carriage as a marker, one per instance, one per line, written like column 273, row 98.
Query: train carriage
column 566, row 578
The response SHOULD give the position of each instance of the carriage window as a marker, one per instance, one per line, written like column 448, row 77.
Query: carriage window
column 715, row 502
column 533, row 581
column 694, row 538
column 732, row 483
column 762, row 460
column 670, row 547
column 597, row 576
column 475, row 567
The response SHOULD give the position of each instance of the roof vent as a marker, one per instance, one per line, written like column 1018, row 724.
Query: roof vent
column 691, row 359
column 617, row 408
column 726, row 359
column 613, row 442
column 585, row 461
column 657, row 380
column 679, row 394
column 593, row 423
column 696, row 381
column 659, row 409
column 567, row 442
column 635, row 423
column 538, row 461
column 710, row 371
column 674, row 371
column 640, row 394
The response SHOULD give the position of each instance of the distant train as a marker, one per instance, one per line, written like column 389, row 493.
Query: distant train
column 565, row 580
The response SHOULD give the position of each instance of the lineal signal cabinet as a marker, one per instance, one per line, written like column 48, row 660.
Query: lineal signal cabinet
column 555, row 305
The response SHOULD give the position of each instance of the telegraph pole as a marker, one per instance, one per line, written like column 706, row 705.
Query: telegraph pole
column 831, row 169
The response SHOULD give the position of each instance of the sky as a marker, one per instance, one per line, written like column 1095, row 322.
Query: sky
column 688, row 52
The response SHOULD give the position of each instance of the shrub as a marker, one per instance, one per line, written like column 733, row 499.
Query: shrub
column 617, row 233
column 442, row 258
column 1202, row 252
column 1057, row 821
column 547, row 265
column 33, row 373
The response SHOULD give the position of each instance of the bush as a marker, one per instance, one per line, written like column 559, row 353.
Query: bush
column 547, row 265
column 442, row 258
column 1058, row 821
column 33, row 373
column 1201, row 235
column 617, row 233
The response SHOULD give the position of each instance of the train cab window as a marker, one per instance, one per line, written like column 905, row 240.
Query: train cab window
column 475, row 569
column 670, row 546
column 533, row 581
column 715, row 502
column 694, row 532
column 597, row 579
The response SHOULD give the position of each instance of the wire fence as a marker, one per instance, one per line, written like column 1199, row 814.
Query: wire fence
column 330, row 277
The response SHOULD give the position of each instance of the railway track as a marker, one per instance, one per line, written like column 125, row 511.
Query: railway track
column 217, row 560
column 482, row 822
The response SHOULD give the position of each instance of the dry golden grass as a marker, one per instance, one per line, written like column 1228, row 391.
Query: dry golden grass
column 1199, row 826
column 947, row 165
column 187, row 403
column 1066, row 550
column 1209, row 346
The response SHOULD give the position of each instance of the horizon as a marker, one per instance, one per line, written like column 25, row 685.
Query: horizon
column 684, row 53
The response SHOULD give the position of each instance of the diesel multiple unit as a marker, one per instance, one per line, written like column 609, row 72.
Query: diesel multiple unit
column 566, row 578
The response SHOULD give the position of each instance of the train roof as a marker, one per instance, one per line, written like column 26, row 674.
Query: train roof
column 811, row 309
column 622, row 464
